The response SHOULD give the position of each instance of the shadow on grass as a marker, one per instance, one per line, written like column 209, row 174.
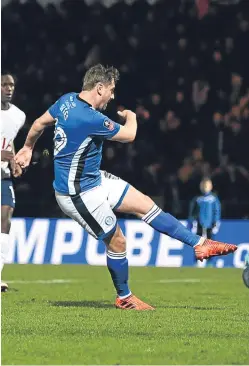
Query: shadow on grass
column 106, row 305
column 190, row 307
column 83, row 304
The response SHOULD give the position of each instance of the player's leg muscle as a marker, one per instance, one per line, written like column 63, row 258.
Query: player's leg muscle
column 143, row 207
column 7, row 208
column 136, row 202
column 6, row 215
column 116, row 242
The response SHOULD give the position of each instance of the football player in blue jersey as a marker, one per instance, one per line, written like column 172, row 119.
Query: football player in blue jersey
column 90, row 196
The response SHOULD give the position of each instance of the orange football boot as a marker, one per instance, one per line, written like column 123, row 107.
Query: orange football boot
column 210, row 248
column 132, row 303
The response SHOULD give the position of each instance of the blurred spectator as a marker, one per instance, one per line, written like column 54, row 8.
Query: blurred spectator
column 184, row 70
column 205, row 211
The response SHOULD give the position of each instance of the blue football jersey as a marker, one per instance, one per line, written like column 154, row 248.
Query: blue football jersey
column 206, row 209
column 80, row 131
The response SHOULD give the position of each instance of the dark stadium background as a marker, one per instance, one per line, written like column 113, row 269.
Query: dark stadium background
column 184, row 70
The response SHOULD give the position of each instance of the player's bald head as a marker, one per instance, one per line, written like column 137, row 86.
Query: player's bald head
column 100, row 74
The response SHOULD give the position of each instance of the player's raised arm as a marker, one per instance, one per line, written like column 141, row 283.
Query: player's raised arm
column 24, row 155
column 127, row 133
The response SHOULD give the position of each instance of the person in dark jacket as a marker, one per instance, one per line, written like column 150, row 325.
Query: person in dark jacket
column 205, row 211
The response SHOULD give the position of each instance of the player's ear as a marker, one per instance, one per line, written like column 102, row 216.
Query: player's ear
column 100, row 88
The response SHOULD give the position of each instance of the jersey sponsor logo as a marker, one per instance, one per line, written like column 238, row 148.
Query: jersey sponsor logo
column 109, row 125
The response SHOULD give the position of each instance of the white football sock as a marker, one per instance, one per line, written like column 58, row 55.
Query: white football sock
column 4, row 240
column 201, row 241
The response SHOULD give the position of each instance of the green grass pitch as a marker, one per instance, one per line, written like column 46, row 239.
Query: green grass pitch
column 64, row 315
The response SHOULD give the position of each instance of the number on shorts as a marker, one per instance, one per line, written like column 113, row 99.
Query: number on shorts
column 12, row 194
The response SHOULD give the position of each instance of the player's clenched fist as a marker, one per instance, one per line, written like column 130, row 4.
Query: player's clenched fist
column 23, row 157
column 15, row 168
column 126, row 113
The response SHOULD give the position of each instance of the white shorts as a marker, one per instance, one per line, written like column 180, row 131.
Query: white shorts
column 93, row 209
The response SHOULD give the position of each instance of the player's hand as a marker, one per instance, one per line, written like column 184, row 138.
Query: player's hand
column 6, row 155
column 15, row 168
column 126, row 113
column 23, row 157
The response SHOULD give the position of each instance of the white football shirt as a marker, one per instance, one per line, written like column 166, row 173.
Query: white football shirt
column 12, row 120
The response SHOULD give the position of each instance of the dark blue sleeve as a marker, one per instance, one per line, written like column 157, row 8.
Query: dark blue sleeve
column 103, row 126
column 54, row 109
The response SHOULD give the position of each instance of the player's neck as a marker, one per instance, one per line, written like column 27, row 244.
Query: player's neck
column 5, row 105
column 88, row 97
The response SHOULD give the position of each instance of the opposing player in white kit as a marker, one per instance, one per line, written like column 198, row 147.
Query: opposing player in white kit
column 12, row 119
column 90, row 196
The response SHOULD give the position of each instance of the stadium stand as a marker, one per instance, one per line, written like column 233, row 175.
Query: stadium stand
column 185, row 75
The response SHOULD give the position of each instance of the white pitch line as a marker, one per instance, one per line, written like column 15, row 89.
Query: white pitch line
column 61, row 281
column 179, row 280
column 42, row 282
column 174, row 280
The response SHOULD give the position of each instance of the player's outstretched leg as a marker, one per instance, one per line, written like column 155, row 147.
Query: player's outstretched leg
column 7, row 207
column 117, row 264
column 143, row 207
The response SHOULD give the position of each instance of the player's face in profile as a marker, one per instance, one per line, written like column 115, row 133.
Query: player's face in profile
column 7, row 88
column 108, row 95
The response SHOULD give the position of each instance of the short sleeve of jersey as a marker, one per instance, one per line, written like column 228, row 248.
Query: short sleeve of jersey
column 104, row 127
column 23, row 119
column 54, row 109
column 19, row 117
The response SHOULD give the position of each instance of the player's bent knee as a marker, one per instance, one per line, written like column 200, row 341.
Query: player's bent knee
column 136, row 202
